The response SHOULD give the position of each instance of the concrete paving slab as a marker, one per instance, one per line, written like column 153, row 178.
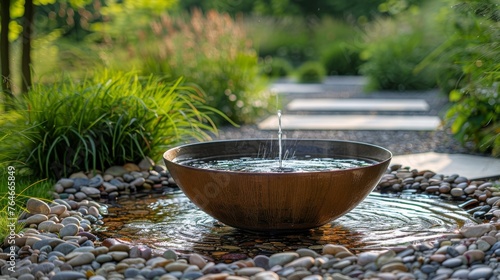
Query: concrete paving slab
column 357, row 104
column 351, row 122
column 297, row 88
column 469, row 166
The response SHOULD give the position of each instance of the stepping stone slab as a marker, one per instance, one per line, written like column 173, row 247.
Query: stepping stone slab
column 351, row 122
column 330, row 104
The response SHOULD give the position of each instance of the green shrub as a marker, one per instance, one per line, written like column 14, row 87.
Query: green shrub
column 107, row 119
column 475, row 114
column 390, row 64
column 396, row 47
column 311, row 72
column 342, row 59
column 213, row 52
column 285, row 37
column 276, row 67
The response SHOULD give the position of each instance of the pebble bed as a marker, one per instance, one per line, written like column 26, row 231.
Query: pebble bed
column 57, row 242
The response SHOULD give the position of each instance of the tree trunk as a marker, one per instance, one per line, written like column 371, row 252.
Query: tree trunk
column 5, row 55
column 29, row 12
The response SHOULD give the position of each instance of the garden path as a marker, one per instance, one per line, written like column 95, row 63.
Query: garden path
column 339, row 103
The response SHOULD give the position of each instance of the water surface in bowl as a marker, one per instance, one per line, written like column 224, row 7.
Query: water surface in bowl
column 263, row 165
column 173, row 222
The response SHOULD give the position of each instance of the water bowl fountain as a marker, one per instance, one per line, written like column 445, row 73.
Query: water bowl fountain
column 274, row 198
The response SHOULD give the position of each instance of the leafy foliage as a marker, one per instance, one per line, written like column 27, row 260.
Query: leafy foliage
column 276, row 67
column 342, row 59
column 107, row 119
column 311, row 72
column 394, row 50
column 475, row 114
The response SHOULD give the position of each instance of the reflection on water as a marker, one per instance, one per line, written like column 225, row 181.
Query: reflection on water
column 173, row 222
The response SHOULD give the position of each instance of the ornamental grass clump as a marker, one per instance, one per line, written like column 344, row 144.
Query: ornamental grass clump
column 106, row 119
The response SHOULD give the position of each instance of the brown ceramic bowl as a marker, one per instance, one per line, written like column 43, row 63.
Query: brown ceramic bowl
column 276, row 201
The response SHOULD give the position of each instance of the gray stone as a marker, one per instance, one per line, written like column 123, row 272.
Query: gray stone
column 120, row 184
column 170, row 254
column 68, row 230
column 104, row 258
column 453, row 262
column 457, row 192
column 304, row 252
column 78, row 183
column 131, row 272
column 476, row 230
column 190, row 275
column 45, row 226
column 58, row 188
column 36, row 219
column 91, row 191
column 261, row 261
column 116, row 171
column 62, row 202
column 266, row 275
column 80, row 175
column 480, row 273
column 138, row 182
column 460, row 274
column 80, row 196
column 26, row 276
column 156, row 272
column 43, row 267
column 366, row 258
column 66, row 183
column 81, row 259
column 70, row 220
column 65, row 248
column 68, row 275
column 52, row 242
column 146, row 164
column 282, row 258
column 96, row 181
column 36, row 206
column 94, row 211
column 58, row 209
column 108, row 187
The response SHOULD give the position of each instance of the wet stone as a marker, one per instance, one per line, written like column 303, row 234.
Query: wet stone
column 476, row 230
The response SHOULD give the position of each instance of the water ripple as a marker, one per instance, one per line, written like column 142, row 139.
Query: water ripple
column 173, row 222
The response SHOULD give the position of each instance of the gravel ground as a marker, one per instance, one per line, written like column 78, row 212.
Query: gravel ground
column 398, row 142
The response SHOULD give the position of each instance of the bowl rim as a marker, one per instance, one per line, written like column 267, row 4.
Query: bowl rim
column 274, row 173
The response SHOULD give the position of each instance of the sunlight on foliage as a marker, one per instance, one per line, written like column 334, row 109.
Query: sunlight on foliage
column 106, row 119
